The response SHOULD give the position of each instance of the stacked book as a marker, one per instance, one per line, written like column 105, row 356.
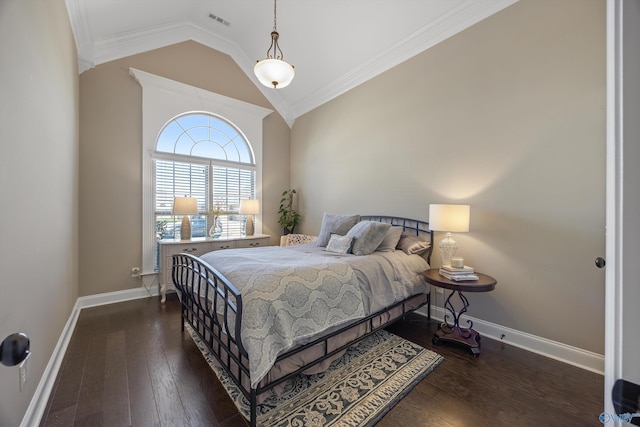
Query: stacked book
column 462, row 274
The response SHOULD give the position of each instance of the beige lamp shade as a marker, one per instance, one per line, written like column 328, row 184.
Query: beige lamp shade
column 452, row 218
column 449, row 218
column 249, row 207
column 185, row 206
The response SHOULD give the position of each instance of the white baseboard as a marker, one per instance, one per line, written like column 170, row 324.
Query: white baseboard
column 38, row 404
column 39, row 400
column 117, row 296
column 584, row 359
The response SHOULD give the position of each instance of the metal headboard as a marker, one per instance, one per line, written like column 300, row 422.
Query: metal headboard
column 413, row 226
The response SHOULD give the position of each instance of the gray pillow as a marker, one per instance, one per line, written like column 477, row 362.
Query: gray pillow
column 335, row 224
column 367, row 236
column 413, row 244
column 339, row 244
column 390, row 240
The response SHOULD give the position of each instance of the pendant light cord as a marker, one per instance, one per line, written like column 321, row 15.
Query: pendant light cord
column 274, row 16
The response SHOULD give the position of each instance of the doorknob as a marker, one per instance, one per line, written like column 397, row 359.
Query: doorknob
column 14, row 349
column 600, row 262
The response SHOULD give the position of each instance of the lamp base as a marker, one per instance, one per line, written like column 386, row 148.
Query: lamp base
column 448, row 248
column 185, row 228
column 249, row 228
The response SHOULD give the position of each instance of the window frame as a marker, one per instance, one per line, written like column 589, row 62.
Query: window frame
column 164, row 99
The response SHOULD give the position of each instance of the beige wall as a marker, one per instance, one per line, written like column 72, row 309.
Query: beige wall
column 507, row 116
column 38, row 186
column 110, row 155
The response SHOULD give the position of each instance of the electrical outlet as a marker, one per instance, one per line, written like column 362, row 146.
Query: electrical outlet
column 22, row 373
column 135, row 272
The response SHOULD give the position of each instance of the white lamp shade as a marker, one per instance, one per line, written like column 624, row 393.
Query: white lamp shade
column 185, row 206
column 249, row 207
column 272, row 70
column 451, row 218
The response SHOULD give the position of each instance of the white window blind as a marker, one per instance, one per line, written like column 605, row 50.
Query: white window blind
column 215, row 187
column 177, row 179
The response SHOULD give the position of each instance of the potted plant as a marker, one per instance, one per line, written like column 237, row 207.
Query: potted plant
column 289, row 218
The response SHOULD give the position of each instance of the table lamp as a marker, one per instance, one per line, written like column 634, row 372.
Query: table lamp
column 449, row 218
column 249, row 207
column 185, row 206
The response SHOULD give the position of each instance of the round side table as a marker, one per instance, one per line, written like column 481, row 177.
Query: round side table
column 452, row 331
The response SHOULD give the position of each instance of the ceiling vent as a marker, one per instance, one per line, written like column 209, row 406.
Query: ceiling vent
column 219, row 19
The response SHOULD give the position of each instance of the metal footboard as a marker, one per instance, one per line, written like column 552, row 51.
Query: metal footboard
column 213, row 307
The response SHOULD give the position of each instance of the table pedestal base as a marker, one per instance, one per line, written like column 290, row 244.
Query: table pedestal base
column 464, row 336
column 453, row 332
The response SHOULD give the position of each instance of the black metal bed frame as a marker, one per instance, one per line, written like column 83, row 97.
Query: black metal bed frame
column 202, row 288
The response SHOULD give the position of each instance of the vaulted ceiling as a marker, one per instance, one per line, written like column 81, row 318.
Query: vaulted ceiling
column 334, row 44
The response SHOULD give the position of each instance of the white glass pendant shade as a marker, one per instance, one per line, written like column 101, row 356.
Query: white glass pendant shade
column 274, row 73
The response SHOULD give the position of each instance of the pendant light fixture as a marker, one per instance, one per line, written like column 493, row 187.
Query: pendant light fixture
column 273, row 71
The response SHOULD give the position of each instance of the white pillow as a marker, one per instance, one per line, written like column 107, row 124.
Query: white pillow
column 339, row 244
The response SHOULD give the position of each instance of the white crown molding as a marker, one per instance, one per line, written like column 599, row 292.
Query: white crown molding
column 448, row 25
column 149, row 38
column 135, row 42
column 81, row 34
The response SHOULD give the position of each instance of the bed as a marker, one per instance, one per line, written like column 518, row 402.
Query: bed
column 294, row 309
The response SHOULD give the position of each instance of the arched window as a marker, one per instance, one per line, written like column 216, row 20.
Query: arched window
column 205, row 156
column 204, row 135
column 199, row 143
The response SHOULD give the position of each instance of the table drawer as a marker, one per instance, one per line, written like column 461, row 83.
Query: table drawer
column 252, row 243
column 195, row 249
column 225, row 244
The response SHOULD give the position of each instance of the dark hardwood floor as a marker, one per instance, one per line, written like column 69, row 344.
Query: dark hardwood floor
column 129, row 364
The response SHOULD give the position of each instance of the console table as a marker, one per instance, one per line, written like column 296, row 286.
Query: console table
column 452, row 331
column 199, row 246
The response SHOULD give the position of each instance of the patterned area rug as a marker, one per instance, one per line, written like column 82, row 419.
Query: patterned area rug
column 357, row 390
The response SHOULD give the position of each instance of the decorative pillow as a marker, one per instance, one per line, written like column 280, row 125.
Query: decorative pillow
column 339, row 244
column 367, row 236
column 335, row 224
column 413, row 244
column 390, row 240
